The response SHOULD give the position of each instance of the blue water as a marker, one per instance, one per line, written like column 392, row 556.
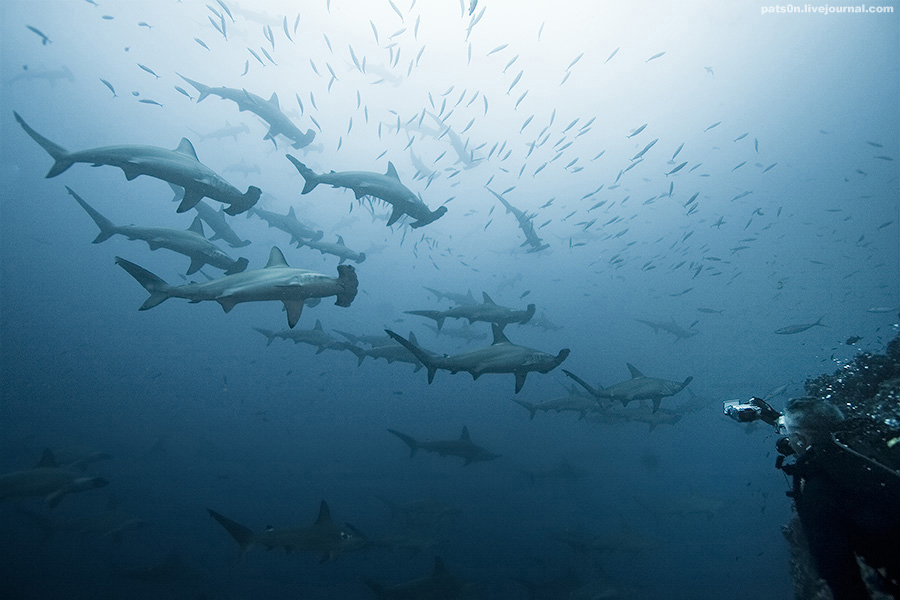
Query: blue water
column 197, row 412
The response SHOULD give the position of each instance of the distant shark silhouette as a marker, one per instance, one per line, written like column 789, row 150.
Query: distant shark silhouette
column 489, row 312
column 323, row 536
column 47, row 479
column 463, row 447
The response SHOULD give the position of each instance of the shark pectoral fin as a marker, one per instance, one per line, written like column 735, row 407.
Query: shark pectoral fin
column 227, row 303
column 294, row 308
column 395, row 215
column 191, row 197
column 520, row 380
column 196, row 264
column 131, row 171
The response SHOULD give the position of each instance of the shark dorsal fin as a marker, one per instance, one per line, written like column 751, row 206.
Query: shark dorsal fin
column 412, row 338
column 187, row 148
column 324, row 514
column 340, row 241
column 197, row 226
column 274, row 99
column 318, row 326
column 439, row 569
column 487, row 299
column 392, row 172
column 499, row 337
column 291, row 212
column 465, row 433
column 276, row 259
column 634, row 372
column 48, row 461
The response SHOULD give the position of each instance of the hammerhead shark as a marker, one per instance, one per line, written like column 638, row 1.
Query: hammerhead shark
column 390, row 351
column 314, row 337
column 47, row 479
column 216, row 221
column 192, row 243
column 277, row 281
column 639, row 387
column 502, row 356
column 526, row 224
column 462, row 447
column 385, row 187
column 338, row 249
column 179, row 167
column 289, row 224
column 489, row 312
column 267, row 110
column 323, row 536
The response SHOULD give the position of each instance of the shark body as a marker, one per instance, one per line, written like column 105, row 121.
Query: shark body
column 338, row 249
column 526, row 224
column 488, row 312
column 386, row 187
column 300, row 232
column 48, row 480
column 323, row 537
column 191, row 242
column 463, row 447
column 179, row 167
column 267, row 110
column 216, row 221
column 277, row 281
column 639, row 387
column 502, row 356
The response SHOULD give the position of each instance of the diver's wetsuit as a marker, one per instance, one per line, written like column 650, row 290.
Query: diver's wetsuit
column 848, row 507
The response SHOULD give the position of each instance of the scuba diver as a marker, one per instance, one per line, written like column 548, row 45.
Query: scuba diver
column 848, row 504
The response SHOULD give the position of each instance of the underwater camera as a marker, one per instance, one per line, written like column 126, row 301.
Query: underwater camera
column 754, row 409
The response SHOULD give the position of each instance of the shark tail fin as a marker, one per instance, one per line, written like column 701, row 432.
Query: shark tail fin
column 437, row 315
column 107, row 229
column 270, row 335
column 597, row 393
column 348, row 280
column 201, row 88
column 357, row 351
column 531, row 408
column 57, row 152
column 424, row 356
column 159, row 290
column 409, row 440
column 312, row 180
column 248, row 199
column 242, row 535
